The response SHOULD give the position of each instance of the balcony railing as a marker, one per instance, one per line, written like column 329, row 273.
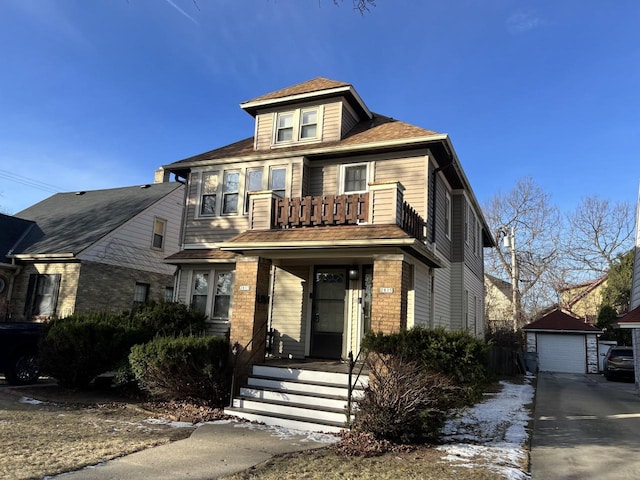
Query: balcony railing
column 321, row 211
column 412, row 222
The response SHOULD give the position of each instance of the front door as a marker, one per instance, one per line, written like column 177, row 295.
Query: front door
column 327, row 322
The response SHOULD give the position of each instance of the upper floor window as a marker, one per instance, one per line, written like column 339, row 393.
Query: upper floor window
column 231, row 186
column 297, row 125
column 159, row 227
column 278, row 181
column 355, row 178
column 252, row 184
column 209, row 193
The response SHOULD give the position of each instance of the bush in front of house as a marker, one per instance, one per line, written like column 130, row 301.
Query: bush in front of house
column 456, row 354
column 404, row 403
column 76, row 349
column 183, row 367
column 168, row 319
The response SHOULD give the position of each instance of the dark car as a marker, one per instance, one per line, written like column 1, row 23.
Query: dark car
column 19, row 352
column 619, row 363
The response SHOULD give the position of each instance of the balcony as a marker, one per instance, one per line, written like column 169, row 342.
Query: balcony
column 383, row 204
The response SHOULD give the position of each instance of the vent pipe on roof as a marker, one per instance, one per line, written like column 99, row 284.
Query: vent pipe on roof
column 145, row 186
column 80, row 193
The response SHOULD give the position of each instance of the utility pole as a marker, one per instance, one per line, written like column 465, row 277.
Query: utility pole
column 509, row 241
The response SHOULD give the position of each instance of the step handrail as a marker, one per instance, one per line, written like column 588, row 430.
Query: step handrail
column 352, row 383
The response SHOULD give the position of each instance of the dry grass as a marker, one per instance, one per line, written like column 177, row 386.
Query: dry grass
column 52, row 438
column 424, row 463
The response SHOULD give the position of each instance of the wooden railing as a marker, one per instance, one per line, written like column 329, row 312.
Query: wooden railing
column 412, row 222
column 321, row 211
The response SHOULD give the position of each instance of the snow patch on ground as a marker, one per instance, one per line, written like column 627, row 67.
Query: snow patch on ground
column 30, row 401
column 282, row 433
column 493, row 433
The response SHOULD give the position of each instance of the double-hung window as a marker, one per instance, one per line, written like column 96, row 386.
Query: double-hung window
column 354, row 178
column 141, row 293
column 302, row 124
column 278, row 181
column 230, row 189
column 253, row 183
column 209, row 195
column 200, row 291
column 42, row 295
column 159, row 227
column 222, row 296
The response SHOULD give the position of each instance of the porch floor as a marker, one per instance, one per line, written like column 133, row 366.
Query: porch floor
column 322, row 365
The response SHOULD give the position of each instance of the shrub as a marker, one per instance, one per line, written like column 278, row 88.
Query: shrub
column 183, row 367
column 76, row 349
column 458, row 355
column 168, row 319
column 404, row 403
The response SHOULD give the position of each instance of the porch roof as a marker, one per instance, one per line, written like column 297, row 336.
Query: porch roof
column 201, row 255
column 310, row 239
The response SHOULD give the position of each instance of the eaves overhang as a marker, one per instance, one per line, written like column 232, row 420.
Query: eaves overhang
column 549, row 330
column 44, row 256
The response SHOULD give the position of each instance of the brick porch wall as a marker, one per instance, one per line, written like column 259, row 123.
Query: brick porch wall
column 391, row 279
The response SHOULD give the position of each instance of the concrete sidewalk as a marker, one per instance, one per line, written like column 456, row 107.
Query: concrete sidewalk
column 212, row 451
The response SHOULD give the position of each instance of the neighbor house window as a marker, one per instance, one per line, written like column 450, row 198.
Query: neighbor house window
column 278, row 181
column 208, row 201
column 168, row 294
column 42, row 295
column 222, row 296
column 159, row 227
column 200, row 291
column 298, row 125
column 141, row 293
column 230, row 190
column 354, row 178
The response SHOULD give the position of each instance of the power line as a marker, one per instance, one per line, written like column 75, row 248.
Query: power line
column 30, row 182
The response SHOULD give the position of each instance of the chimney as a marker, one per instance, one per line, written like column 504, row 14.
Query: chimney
column 161, row 176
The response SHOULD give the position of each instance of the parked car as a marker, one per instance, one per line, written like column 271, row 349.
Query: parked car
column 19, row 352
column 619, row 363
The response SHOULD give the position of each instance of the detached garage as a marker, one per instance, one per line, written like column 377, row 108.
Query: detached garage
column 563, row 343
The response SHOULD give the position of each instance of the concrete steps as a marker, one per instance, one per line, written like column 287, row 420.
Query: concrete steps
column 297, row 398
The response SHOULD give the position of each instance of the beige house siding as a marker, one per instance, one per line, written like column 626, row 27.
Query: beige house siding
column 288, row 315
column 349, row 119
column 422, row 294
column 411, row 172
column 323, row 179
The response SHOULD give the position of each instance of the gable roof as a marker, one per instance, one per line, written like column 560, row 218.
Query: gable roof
column 68, row 223
column 13, row 230
column 584, row 289
column 630, row 319
column 313, row 85
column 558, row 321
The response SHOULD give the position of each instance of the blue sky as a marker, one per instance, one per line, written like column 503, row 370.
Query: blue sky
column 98, row 94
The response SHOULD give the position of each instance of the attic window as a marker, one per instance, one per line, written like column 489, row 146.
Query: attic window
column 300, row 125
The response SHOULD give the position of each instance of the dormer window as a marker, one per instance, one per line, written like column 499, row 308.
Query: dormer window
column 300, row 125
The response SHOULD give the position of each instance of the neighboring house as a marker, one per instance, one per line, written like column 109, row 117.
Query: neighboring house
column 93, row 250
column 498, row 303
column 584, row 300
column 564, row 343
column 331, row 221
column 12, row 230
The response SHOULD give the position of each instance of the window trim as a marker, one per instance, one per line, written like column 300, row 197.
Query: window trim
column 200, row 179
column 213, row 276
column 343, row 177
column 447, row 214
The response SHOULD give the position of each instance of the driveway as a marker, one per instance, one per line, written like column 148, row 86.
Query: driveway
column 585, row 428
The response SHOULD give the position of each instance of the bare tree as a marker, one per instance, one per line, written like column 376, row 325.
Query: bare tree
column 360, row 5
column 600, row 231
column 526, row 212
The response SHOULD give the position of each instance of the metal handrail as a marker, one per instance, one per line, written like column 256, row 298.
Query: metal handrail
column 352, row 363
column 236, row 350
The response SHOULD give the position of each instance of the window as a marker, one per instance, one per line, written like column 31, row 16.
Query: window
column 447, row 214
column 141, row 293
column 253, row 184
column 354, row 178
column 278, row 181
column 474, row 231
column 284, row 131
column 298, row 125
column 159, row 227
column 222, row 296
column 230, row 188
column 308, row 124
column 466, row 225
column 168, row 294
column 42, row 295
column 200, row 291
column 209, row 193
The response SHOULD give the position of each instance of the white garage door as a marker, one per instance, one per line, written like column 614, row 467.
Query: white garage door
column 561, row 353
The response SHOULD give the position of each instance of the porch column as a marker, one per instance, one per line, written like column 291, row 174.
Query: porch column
column 250, row 308
column 390, row 294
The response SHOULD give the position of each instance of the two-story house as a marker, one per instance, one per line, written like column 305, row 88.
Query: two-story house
column 94, row 250
column 329, row 222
